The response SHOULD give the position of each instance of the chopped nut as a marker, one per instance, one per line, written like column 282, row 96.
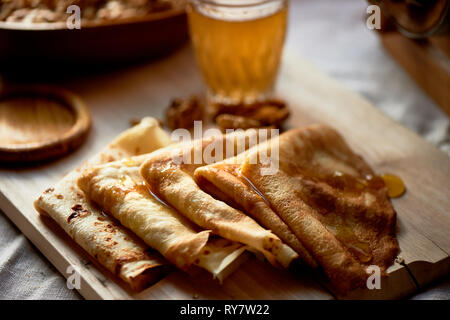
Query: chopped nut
column 183, row 112
column 268, row 113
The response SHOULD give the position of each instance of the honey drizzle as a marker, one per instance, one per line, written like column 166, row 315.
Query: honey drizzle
column 361, row 250
column 358, row 248
column 344, row 233
column 252, row 186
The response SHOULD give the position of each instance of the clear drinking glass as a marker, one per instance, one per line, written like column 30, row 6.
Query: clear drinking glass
column 238, row 45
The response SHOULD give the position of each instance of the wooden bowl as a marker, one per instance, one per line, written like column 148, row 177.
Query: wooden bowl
column 102, row 42
column 39, row 123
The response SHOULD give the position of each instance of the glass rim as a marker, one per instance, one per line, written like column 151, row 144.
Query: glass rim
column 243, row 4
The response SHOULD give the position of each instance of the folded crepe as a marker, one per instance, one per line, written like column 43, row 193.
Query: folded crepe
column 169, row 174
column 224, row 181
column 112, row 245
column 120, row 190
column 329, row 198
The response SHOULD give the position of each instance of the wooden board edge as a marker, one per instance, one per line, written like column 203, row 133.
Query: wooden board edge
column 425, row 272
column 399, row 284
column 88, row 285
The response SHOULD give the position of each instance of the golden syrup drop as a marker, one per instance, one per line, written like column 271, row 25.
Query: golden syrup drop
column 394, row 185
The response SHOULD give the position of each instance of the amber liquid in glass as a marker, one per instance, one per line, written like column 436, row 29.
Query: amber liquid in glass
column 239, row 58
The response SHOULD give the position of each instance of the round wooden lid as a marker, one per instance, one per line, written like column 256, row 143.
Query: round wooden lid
column 40, row 122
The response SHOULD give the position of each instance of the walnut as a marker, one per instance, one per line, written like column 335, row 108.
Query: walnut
column 268, row 113
column 182, row 113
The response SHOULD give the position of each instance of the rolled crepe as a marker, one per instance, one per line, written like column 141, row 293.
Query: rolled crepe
column 103, row 238
column 331, row 200
column 120, row 190
column 170, row 176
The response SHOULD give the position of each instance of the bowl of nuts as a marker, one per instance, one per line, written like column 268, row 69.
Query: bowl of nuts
column 88, row 32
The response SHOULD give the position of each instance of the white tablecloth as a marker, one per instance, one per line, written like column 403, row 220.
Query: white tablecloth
column 332, row 35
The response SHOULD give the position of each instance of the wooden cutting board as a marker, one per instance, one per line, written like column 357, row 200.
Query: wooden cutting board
column 117, row 97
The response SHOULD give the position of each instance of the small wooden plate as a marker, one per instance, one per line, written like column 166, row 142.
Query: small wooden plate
column 40, row 122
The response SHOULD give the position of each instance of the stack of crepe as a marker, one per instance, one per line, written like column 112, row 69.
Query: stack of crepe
column 322, row 205
column 324, row 201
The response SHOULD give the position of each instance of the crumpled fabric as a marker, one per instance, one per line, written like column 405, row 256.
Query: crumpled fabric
column 24, row 272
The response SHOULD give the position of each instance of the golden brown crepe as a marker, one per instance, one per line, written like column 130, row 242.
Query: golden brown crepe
column 119, row 190
column 327, row 196
column 102, row 237
column 331, row 200
column 169, row 174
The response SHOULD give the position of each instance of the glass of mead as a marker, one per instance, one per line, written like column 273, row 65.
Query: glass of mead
column 238, row 45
